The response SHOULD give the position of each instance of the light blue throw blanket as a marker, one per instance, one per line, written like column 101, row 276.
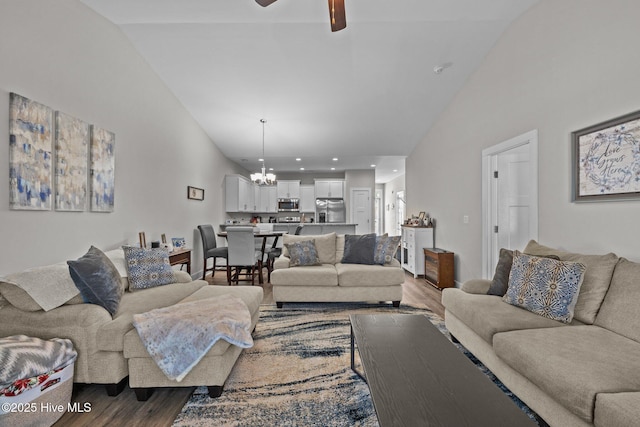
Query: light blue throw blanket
column 179, row 336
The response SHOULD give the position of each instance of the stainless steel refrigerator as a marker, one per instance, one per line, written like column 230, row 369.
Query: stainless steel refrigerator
column 330, row 210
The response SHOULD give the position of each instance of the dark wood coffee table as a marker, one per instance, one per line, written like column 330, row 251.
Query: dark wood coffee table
column 417, row 377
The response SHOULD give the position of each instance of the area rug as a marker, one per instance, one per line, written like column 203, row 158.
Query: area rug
column 298, row 372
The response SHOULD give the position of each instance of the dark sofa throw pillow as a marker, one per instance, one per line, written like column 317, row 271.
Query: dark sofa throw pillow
column 359, row 249
column 386, row 248
column 545, row 286
column 147, row 268
column 500, row 281
column 303, row 253
column 97, row 279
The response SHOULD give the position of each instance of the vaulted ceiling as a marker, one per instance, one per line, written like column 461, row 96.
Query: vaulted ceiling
column 366, row 95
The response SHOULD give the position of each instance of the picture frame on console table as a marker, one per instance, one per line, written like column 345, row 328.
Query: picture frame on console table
column 606, row 160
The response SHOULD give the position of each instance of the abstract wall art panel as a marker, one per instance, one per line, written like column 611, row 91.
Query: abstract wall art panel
column 30, row 147
column 102, row 169
column 71, row 160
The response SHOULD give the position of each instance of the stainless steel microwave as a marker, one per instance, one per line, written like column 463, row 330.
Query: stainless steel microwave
column 288, row 205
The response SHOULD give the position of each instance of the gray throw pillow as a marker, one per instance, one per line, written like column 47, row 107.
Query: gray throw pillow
column 359, row 249
column 302, row 253
column 97, row 279
column 500, row 281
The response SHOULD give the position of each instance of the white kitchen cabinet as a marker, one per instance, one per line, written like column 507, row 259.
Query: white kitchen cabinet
column 414, row 239
column 329, row 188
column 288, row 189
column 268, row 202
column 238, row 194
column 307, row 198
column 255, row 206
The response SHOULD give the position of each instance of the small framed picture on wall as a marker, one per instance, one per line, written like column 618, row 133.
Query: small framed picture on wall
column 195, row 193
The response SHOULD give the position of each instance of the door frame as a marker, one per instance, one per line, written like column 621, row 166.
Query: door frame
column 369, row 206
column 489, row 204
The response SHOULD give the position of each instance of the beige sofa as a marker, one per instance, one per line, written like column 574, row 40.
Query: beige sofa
column 333, row 281
column 586, row 373
column 109, row 349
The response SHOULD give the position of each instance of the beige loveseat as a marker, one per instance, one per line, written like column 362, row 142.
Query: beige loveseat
column 109, row 349
column 586, row 373
column 333, row 281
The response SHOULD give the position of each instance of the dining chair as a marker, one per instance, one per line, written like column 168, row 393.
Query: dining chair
column 210, row 248
column 242, row 254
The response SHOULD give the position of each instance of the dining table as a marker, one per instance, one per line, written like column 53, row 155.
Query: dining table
column 264, row 234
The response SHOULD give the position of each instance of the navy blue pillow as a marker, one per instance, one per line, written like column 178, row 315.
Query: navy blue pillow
column 97, row 279
column 359, row 249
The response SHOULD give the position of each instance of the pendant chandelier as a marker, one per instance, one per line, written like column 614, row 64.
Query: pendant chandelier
column 263, row 178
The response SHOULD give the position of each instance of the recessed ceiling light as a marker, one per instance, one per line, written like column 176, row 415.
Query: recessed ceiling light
column 395, row 170
column 373, row 166
column 261, row 160
column 301, row 169
column 270, row 169
column 335, row 159
column 333, row 169
column 298, row 159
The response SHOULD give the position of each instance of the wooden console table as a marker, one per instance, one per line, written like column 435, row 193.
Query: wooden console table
column 438, row 267
column 181, row 257
column 417, row 377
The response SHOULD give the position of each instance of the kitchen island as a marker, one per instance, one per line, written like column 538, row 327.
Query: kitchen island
column 316, row 228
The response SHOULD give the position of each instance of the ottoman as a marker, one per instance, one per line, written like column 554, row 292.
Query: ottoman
column 212, row 371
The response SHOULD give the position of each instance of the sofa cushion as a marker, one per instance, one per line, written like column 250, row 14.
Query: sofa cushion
column 97, row 279
column 315, row 275
column 619, row 311
column 617, row 409
column 325, row 245
column 488, row 315
column 359, row 249
column 573, row 364
column 302, row 253
column 147, row 268
column 251, row 295
column 596, row 281
column 369, row 275
column 110, row 335
column 544, row 286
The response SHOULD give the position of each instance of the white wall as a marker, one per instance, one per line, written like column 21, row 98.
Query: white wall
column 564, row 65
column 63, row 55
column 360, row 179
column 390, row 190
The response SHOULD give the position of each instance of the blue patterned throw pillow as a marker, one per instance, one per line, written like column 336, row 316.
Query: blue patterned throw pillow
column 544, row 286
column 303, row 253
column 386, row 248
column 147, row 268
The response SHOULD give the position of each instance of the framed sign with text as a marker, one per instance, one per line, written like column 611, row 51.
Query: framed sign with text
column 195, row 193
column 606, row 160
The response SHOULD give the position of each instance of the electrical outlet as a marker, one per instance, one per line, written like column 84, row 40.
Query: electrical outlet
column 465, row 219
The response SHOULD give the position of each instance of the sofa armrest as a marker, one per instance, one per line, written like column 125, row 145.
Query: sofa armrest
column 476, row 286
column 281, row 262
column 182, row 277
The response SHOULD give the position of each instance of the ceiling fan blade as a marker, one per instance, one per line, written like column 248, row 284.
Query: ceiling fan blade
column 265, row 3
column 337, row 15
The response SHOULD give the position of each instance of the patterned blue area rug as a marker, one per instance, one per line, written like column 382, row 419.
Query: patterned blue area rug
column 298, row 372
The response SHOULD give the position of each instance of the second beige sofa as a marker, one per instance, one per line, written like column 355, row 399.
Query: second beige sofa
column 333, row 281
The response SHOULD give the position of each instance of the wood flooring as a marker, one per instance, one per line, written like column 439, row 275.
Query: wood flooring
column 166, row 403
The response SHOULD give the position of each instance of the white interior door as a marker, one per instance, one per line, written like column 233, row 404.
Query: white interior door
column 510, row 197
column 361, row 209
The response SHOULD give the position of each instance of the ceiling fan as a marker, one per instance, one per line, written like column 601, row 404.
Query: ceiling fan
column 336, row 13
